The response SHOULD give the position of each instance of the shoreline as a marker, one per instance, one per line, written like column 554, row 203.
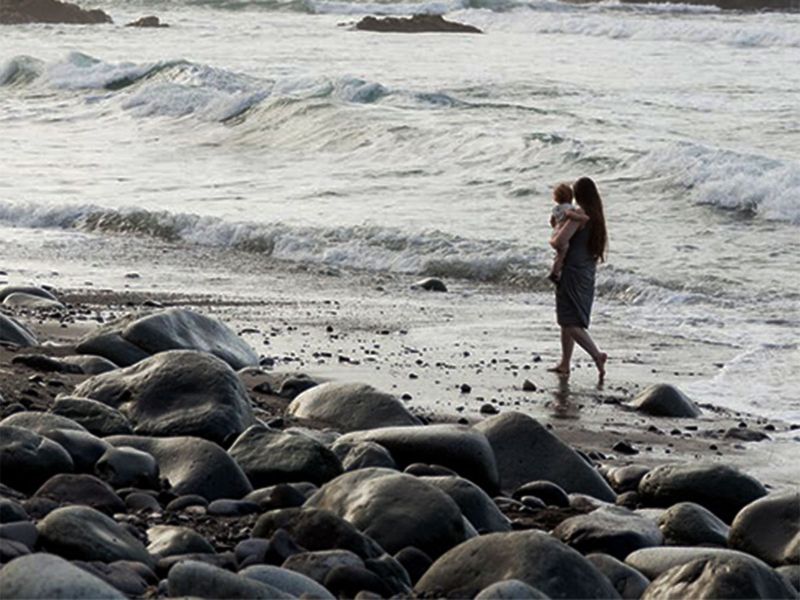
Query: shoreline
column 420, row 346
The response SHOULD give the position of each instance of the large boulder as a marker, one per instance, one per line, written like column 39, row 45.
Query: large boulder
column 14, row 332
column 128, row 467
column 269, row 456
column 27, row 459
column 612, row 530
column 84, row 490
column 462, row 449
column 20, row 300
column 394, row 509
column 192, row 465
column 721, row 489
column 769, row 528
column 192, row 578
column 720, row 577
column 289, row 582
column 40, row 422
column 176, row 393
column 83, row 448
column 94, row 416
column 475, row 504
column 689, row 524
column 317, row 529
column 22, row 578
column 510, row 589
column 526, row 451
column 170, row 329
column 626, row 580
column 31, row 290
column 113, row 347
column 350, row 407
column 82, row 533
column 652, row 562
column 532, row 557
column 166, row 540
column 16, row 12
column 362, row 455
column 663, row 400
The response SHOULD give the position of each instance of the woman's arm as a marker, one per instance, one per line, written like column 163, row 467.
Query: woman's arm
column 560, row 239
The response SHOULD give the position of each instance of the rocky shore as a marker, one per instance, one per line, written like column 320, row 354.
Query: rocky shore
column 147, row 450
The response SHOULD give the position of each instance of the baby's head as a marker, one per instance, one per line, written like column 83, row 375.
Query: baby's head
column 562, row 194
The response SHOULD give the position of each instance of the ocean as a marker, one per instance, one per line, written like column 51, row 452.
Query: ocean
column 275, row 127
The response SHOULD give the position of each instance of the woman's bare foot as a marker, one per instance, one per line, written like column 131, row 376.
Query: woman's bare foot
column 600, row 363
column 560, row 369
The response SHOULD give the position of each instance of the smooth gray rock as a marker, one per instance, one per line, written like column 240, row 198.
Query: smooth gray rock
column 83, row 448
column 82, row 533
column 316, row 529
column 626, row 580
column 462, row 449
column 23, row 532
column 547, row 491
column 84, row 490
column 22, row 578
column 272, row 497
column 290, row 582
column 316, row 565
column 652, row 562
column 11, row 511
column 270, row 456
column 792, row 575
column 192, row 465
column 664, row 400
column 350, row 407
column 394, row 509
column 30, row 290
column 91, row 365
column 730, row 577
column 40, row 422
column 232, row 508
column 475, row 504
column 27, row 459
column 14, row 332
column 11, row 549
column 689, row 524
column 533, row 557
column 167, row 540
column 176, row 393
column 30, row 301
column 194, row 578
column 97, row 418
column 183, row 329
column 626, row 479
column 430, row 284
column 128, row 467
column 526, row 451
column 362, row 455
column 722, row 489
column 113, row 347
column 612, row 530
column 769, row 528
column 130, row 578
column 510, row 589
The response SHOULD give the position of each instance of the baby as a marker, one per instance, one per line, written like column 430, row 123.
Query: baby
column 563, row 212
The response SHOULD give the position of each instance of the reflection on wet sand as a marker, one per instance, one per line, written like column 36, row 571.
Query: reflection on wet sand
column 564, row 406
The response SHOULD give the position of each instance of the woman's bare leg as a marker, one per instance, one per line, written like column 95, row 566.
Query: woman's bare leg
column 567, row 346
column 584, row 340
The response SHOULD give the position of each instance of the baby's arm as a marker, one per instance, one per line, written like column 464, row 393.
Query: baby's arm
column 578, row 215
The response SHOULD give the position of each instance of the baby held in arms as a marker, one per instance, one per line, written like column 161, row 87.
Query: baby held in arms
column 563, row 212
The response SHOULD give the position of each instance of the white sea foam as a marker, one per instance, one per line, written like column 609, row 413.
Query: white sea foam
column 750, row 184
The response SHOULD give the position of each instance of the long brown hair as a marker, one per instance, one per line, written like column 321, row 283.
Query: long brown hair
column 588, row 198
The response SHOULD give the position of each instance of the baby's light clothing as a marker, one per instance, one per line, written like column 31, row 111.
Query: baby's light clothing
column 559, row 213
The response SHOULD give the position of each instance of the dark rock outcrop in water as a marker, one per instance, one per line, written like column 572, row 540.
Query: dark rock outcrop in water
column 18, row 12
column 415, row 24
column 149, row 21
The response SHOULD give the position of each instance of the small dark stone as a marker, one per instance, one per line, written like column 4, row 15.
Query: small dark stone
column 625, row 447
column 465, row 388
column 414, row 561
column 489, row 409
column 528, row 386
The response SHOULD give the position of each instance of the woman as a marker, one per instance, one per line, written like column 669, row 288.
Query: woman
column 586, row 244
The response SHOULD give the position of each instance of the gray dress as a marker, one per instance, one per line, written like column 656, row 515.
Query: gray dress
column 575, row 291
